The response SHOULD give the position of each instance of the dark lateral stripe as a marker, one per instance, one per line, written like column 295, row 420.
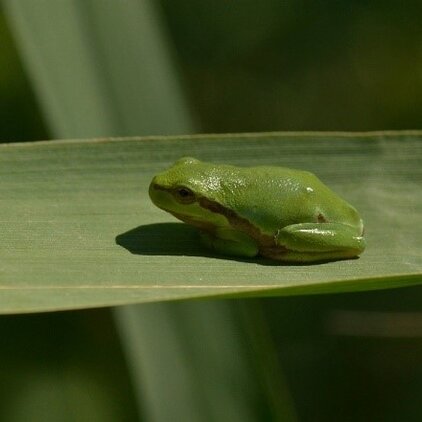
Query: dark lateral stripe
column 237, row 222
column 158, row 187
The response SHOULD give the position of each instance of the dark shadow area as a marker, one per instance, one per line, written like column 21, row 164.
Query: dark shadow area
column 162, row 239
column 173, row 239
column 181, row 239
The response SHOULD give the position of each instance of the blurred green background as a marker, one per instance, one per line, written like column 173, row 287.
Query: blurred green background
column 251, row 66
column 272, row 65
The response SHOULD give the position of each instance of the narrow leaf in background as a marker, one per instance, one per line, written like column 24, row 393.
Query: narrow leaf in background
column 97, row 67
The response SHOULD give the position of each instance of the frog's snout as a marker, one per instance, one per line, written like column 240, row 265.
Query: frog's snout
column 158, row 194
column 152, row 191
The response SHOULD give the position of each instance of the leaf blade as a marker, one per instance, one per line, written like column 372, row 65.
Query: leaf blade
column 68, row 203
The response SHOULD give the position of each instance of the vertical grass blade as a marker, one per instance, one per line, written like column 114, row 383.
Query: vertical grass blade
column 99, row 68
column 196, row 367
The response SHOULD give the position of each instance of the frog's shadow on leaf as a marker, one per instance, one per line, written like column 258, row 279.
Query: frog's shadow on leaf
column 177, row 239
column 162, row 239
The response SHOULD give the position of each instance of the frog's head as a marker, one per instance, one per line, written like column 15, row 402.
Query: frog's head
column 182, row 188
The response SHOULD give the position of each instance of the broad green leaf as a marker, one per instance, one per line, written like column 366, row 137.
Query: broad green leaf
column 78, row 229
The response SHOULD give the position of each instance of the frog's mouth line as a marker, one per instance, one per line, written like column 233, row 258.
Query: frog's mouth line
column 203, row 225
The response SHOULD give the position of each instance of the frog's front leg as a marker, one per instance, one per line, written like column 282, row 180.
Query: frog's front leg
column 230, row 242
column 319, row 241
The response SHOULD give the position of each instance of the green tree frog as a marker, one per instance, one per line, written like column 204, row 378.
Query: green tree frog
column 275, row 212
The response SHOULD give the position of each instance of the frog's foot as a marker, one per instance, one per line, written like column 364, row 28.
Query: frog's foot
column 230, row 242
column 318, row 241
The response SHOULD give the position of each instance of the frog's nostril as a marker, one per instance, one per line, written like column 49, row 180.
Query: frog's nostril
column 321, row 218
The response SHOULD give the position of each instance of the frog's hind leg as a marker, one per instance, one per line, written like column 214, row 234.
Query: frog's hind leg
column 308, row 242
column 230, row 242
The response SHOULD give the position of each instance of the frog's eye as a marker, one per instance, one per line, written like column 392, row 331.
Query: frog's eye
column 184, row 195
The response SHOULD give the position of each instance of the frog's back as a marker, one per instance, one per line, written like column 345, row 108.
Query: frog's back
column 275, row 197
